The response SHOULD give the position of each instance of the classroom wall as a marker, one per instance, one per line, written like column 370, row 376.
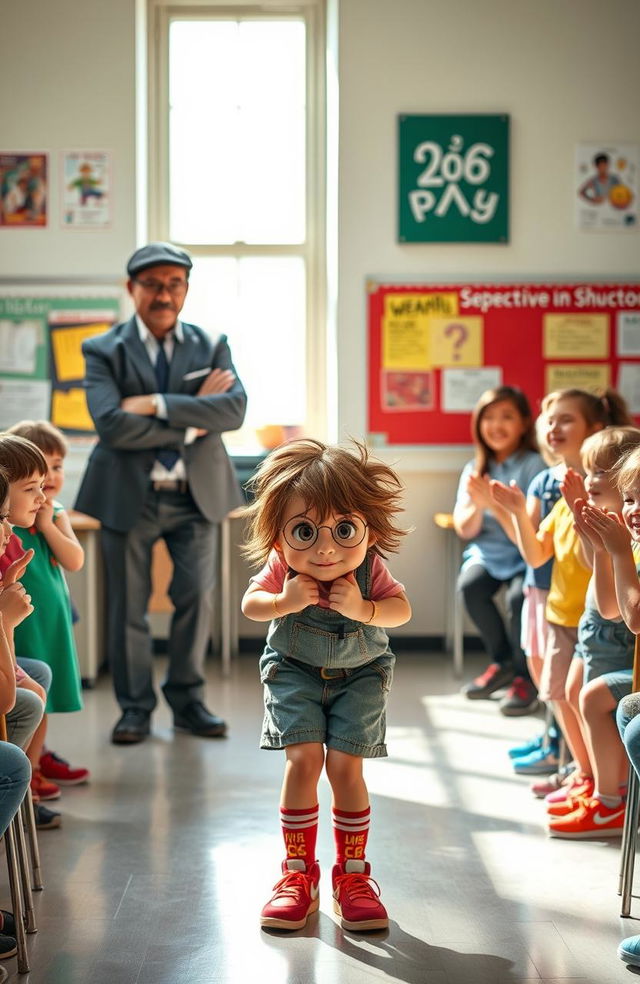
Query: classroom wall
column 67, row 81
column 565, row 71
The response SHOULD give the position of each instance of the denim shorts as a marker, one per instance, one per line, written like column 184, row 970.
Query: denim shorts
column 605, row 647
column 344, row 709
column 619, row 683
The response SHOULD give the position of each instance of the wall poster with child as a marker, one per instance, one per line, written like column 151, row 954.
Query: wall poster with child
column 433, row 349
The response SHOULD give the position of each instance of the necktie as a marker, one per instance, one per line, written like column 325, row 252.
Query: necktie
column 165, row 457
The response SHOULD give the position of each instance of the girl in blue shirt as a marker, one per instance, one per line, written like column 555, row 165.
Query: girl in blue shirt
column 504, row 435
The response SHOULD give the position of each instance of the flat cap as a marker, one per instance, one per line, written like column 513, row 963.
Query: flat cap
column 157, row 254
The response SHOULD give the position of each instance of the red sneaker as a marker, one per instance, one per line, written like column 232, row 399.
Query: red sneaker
column 42, row 788
column 295, row 896
column 591, row 819
column 56, row 768
column 356, row 897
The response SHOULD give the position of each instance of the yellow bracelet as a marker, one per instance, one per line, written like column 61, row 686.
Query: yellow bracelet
column 374, row 612
column 275, row 608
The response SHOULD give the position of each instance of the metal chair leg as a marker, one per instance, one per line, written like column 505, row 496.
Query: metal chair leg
column 458, row 633
column 629, row 843
column 16, row 898
column 25, row 874
column 29, row 818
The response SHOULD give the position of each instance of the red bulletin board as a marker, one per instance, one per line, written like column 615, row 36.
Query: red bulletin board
column 434, row 348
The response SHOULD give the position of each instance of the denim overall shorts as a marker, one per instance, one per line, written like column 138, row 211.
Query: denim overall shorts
column 327, row 679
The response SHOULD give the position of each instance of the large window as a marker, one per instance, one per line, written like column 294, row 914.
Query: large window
column 236, row 145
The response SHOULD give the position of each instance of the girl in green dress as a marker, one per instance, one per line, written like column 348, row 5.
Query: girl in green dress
column 48, row 633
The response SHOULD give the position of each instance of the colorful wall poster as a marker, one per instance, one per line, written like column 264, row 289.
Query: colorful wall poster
column 606, row 186
column 407, row 391
column 24, row 190
column 453, row 178
column 86, row 194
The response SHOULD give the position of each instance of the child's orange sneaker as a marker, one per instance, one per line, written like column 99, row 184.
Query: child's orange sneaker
column 356, row 897
column 43, row 788
column 591, row 819
column 294, row 898
column 58, row 769
column 575, row 796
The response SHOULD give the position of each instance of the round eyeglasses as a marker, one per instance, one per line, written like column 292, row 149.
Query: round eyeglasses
column 300, row 533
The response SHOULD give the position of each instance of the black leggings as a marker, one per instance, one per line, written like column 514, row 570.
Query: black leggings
column 501, row 641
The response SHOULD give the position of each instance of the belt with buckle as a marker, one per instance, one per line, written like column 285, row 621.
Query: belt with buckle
column 333, row 672
column 326, row 672
column 170, row 485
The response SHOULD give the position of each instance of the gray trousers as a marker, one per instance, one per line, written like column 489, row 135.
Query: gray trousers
column 192, row 544
column 26, row 714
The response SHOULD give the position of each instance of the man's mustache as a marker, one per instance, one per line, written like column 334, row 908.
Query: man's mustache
column 160, row 306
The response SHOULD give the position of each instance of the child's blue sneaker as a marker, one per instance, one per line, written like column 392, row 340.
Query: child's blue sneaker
column 549, row 736
column 541, row 762
column 629, row 951
column 519, row 751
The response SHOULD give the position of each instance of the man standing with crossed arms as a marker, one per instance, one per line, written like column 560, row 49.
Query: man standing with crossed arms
column 161, row 393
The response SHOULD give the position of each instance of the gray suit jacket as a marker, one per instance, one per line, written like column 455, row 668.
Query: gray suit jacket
column 116, row 479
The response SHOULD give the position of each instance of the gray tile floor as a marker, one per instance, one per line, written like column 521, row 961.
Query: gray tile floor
column 164, row 861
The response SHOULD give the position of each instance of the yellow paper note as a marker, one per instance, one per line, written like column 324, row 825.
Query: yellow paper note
column 581, row 375
column 405, row 328
column 69, row 410
column 67, row 349
column 405, row 343
column 456, row 341
column 576, row 336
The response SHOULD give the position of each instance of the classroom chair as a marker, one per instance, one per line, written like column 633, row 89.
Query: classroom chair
column 454, row 607
column 23, row 870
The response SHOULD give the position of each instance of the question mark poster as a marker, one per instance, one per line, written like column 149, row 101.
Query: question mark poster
column 418, row 336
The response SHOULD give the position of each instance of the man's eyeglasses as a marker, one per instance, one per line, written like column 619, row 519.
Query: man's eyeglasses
column 175, row 287
column 301, row 533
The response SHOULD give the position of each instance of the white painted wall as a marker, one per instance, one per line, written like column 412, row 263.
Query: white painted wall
column 67, row 81
column 565, row 70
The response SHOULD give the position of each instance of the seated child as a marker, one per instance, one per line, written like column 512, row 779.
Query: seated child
column 48, row 635
column 591, row 804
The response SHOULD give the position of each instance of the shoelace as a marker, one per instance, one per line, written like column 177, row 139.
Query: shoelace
column 57, row 758
column 519, row 688
column 291, row 885
column 358, row 886
column 490, row 672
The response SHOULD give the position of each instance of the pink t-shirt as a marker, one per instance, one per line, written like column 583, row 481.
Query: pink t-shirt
column 13, row 551
column 383, row 585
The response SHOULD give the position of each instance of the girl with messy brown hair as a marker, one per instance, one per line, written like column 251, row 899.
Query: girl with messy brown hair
column 322, row 520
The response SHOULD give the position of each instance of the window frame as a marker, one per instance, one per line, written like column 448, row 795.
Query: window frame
column 312, row 250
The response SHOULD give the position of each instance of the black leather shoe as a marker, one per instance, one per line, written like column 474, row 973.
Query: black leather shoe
column 133, row 726
column 199, row 721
